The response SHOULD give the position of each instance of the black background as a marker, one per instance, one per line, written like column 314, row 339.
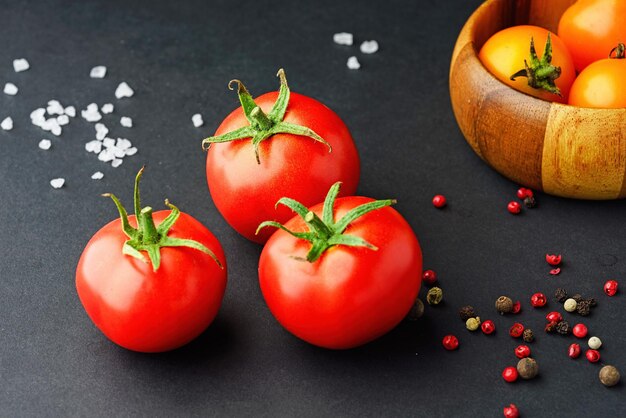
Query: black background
column 179, row 56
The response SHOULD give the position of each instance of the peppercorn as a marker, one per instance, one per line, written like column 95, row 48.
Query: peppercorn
column 527, row 368
column 450, row 342
column 551, row 327
column 517, row 306
column 528, row 335
column 429, row 277
column 592, row 302
column 610, row 287
column 522, row 351
column 573, row 351
column 593, row 356
column 583, row 308
column 467, row 312
column 439, row 201
column 553, row 259
column 488, row 327
column 538, row 300
column 530, row 202
column 609, row 376
column 560, row 295
column 563, row 328
column 510, row 374
column 417, row 310
column 570, row 305
column 511, row 411
column 514, row 208
column 580, row 330
column 554, row 317
column 577, row 297
column 434, row 296
column 472, row 324
column 516, row 330
column 523, row 193
column 594, row 343
column 504, row 305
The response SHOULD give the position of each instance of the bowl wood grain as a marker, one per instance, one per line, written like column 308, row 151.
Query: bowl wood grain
column 563, row 150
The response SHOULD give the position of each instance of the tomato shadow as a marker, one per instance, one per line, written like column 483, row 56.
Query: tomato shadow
column 212, row 345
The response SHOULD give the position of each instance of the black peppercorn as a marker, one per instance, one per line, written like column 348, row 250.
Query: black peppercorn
column 417, row 310
column 504, row 305
column 467, row 312
column 592, row 302
column 530, row 202
column 583, row 308
column 528, row 335
column 563, row 328
column 577, row 297
column 560, row 295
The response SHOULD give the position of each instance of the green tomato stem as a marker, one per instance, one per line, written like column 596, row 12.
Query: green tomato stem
column 148, row 237
column 541, row 73
column 263, row 126
column 323, row 232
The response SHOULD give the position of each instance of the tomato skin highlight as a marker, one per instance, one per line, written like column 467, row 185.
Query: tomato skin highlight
column 245, row 193
column 591, row 28
column 350, row 295
column 148, row 311
column 602, row 84
column 504, row 53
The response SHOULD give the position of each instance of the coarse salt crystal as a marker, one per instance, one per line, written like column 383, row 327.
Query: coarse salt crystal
column 123, row 143
column 70, row 111
column 63, row 120
column 98, row 72
column 343, row 38
column 126, row 122
column 123, row 90
column 55, row 108
column 108, row 142
column 131, row 151
column 98, row 175
column 38, row 113
column 10, row 89
column 107, row 108
column 56, row 130
column 116, row 162
column 57, row 183
column 91, row 116
column 93, row 146
column 7, row 124
column 118, row 152
column 106, row 155
column 353, row 63
column 45, row 144
column 101, row 131
column 197, row 120
column 369, row 47
column 20, row 65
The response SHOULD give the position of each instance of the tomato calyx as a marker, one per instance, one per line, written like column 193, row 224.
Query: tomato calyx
column 147, row 236
column 263, row 126
column 325, row 232
column 619, row 51
column 541, row 73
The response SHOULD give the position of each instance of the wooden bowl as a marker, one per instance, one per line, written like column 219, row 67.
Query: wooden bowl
column 563, row 150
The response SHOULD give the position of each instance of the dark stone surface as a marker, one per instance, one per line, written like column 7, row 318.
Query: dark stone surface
column 179, row 56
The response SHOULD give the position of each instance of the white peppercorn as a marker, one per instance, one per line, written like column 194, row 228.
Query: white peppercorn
column 594, row 343
column 570, row 305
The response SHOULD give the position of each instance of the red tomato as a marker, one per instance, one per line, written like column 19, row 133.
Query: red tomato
column 505, row 52
column 245, row 191
column 350, row 295
column 591, row 28
column 601, row 84
column 145, row 310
